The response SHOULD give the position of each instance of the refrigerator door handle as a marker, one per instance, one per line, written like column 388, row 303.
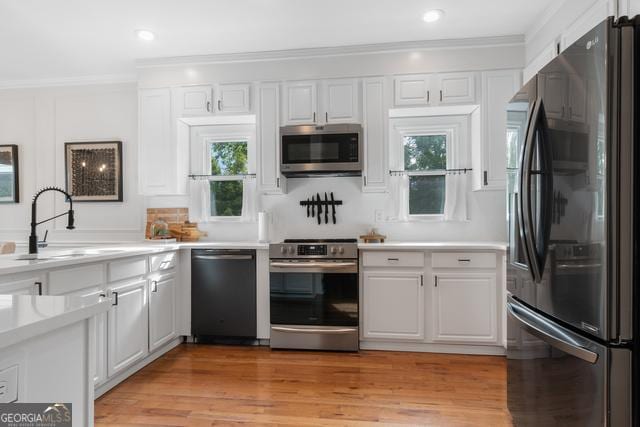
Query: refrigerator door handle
column 547, row 332
column 523, row 210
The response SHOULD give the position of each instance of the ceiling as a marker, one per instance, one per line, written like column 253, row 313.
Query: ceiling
column 57, row 39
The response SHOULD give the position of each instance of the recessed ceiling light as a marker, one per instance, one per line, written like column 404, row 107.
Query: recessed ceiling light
column 433, row 15
column 145, row 35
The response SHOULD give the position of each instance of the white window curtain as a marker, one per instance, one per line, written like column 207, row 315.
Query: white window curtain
column 457, row 129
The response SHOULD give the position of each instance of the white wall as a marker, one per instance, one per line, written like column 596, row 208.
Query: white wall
column 40, row 121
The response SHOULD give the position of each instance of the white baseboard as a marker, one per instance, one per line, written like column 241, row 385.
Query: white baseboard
column 112, row 382
column 490, row 350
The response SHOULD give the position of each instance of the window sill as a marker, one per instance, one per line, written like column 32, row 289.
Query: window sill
column 232, row 219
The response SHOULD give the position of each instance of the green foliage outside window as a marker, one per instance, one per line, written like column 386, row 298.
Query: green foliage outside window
column 426, row 153
column 227, row 159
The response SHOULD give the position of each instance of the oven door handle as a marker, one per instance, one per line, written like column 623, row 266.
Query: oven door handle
column 332, row 331
column 327, row 265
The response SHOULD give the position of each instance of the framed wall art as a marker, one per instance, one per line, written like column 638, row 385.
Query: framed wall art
column 9, row 174
column 93, row 171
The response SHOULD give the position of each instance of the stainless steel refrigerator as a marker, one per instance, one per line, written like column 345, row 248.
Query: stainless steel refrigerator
column 572, row 271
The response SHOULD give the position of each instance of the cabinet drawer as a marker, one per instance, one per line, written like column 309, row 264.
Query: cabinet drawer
column 125, row 269
column 73, row 279
column 463, row 260
column 163, row 261
column 393, row 259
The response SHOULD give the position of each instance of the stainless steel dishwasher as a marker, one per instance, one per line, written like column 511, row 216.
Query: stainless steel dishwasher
column 223, row 293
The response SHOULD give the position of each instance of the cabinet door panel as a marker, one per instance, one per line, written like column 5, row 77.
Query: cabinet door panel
column 577, row 99
column 341, row 101
column 195, row 100
column 156, row 157
column 464, row 308
column 553, row 86
column 301, row 103
column 162, row 312
column 233, row 98
column 393, row 306
column 412, row 90
column 128, row 326
column 269, row 178
column 375, row 158
column 457, row 88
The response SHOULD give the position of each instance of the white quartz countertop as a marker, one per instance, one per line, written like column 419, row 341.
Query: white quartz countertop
column 54, row 258
column 26, row 316
column 391, row 245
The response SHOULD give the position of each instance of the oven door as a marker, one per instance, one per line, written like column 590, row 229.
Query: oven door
column 314, row 292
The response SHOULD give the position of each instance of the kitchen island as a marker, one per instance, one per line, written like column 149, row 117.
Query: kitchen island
column 47, row 351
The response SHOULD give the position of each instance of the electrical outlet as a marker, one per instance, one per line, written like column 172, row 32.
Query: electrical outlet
column 9, row 384
column 379, row 214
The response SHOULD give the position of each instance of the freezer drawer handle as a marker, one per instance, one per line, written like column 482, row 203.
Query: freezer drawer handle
column 223, row 256
column 550, row 338
column 315, row 331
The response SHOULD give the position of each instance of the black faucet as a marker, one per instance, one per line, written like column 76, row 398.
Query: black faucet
column 33, row 239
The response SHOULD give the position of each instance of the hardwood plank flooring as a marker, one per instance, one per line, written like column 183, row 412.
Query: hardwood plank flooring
column 203, row 385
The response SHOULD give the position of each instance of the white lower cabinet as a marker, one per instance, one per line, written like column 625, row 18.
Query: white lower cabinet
column 25, row 284
column 464, row 308
column 128, row 339
column 162, row 311
column 393, row 305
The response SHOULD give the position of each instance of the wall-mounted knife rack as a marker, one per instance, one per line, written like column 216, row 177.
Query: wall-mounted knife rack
column 318, row 208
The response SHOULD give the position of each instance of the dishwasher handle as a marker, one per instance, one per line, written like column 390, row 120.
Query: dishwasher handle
column 226, row 257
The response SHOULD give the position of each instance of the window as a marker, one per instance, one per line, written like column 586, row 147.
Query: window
column 229, row 165
column 425, row 161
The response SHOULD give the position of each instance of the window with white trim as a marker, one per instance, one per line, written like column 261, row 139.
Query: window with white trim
column 425, row 163
column 228, row 160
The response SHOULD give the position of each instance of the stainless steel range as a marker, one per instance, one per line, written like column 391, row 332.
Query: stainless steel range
column 314, row 294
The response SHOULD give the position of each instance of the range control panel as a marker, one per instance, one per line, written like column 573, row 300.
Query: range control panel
column 306, row 250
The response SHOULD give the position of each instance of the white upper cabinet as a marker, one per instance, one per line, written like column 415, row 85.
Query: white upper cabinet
column 233, row 98
column 464, row 308
column 456, row 88
column 393, row 305
column 374, row 176
column 158, row 170
column 435, row 89
column 553, row 85
column 412, row 90
column 193, row 100
column 270, row 180
column 340, row 100
column 300, row 102
column 490, row 160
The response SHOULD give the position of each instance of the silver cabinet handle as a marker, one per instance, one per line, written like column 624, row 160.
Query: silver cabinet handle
column 421, row 280
column 154, row 287
column 435, row 281
column 440, row 96
column 393, row 259
column 542, row 329
column 464, row 260
column 219, row 105
column 209, row 106
column 313, row 264
column 314, row 117
column 428, row 96
column 39, row 285
column 115, row 298
column 326, row 117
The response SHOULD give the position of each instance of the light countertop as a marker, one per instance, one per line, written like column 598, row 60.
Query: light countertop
column 54, row 258
column 26, row 316
column 391, row 245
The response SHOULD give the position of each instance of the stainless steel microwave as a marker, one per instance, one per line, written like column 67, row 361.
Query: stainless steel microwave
column 309, row 150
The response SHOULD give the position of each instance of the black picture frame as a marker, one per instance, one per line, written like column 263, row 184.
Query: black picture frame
column 12, row 151
column 95, row 174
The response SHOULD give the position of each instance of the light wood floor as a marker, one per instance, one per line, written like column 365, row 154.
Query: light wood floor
column 201, row 385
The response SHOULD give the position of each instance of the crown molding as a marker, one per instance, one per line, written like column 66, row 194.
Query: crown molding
column 69, row 81
column 290, row 54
